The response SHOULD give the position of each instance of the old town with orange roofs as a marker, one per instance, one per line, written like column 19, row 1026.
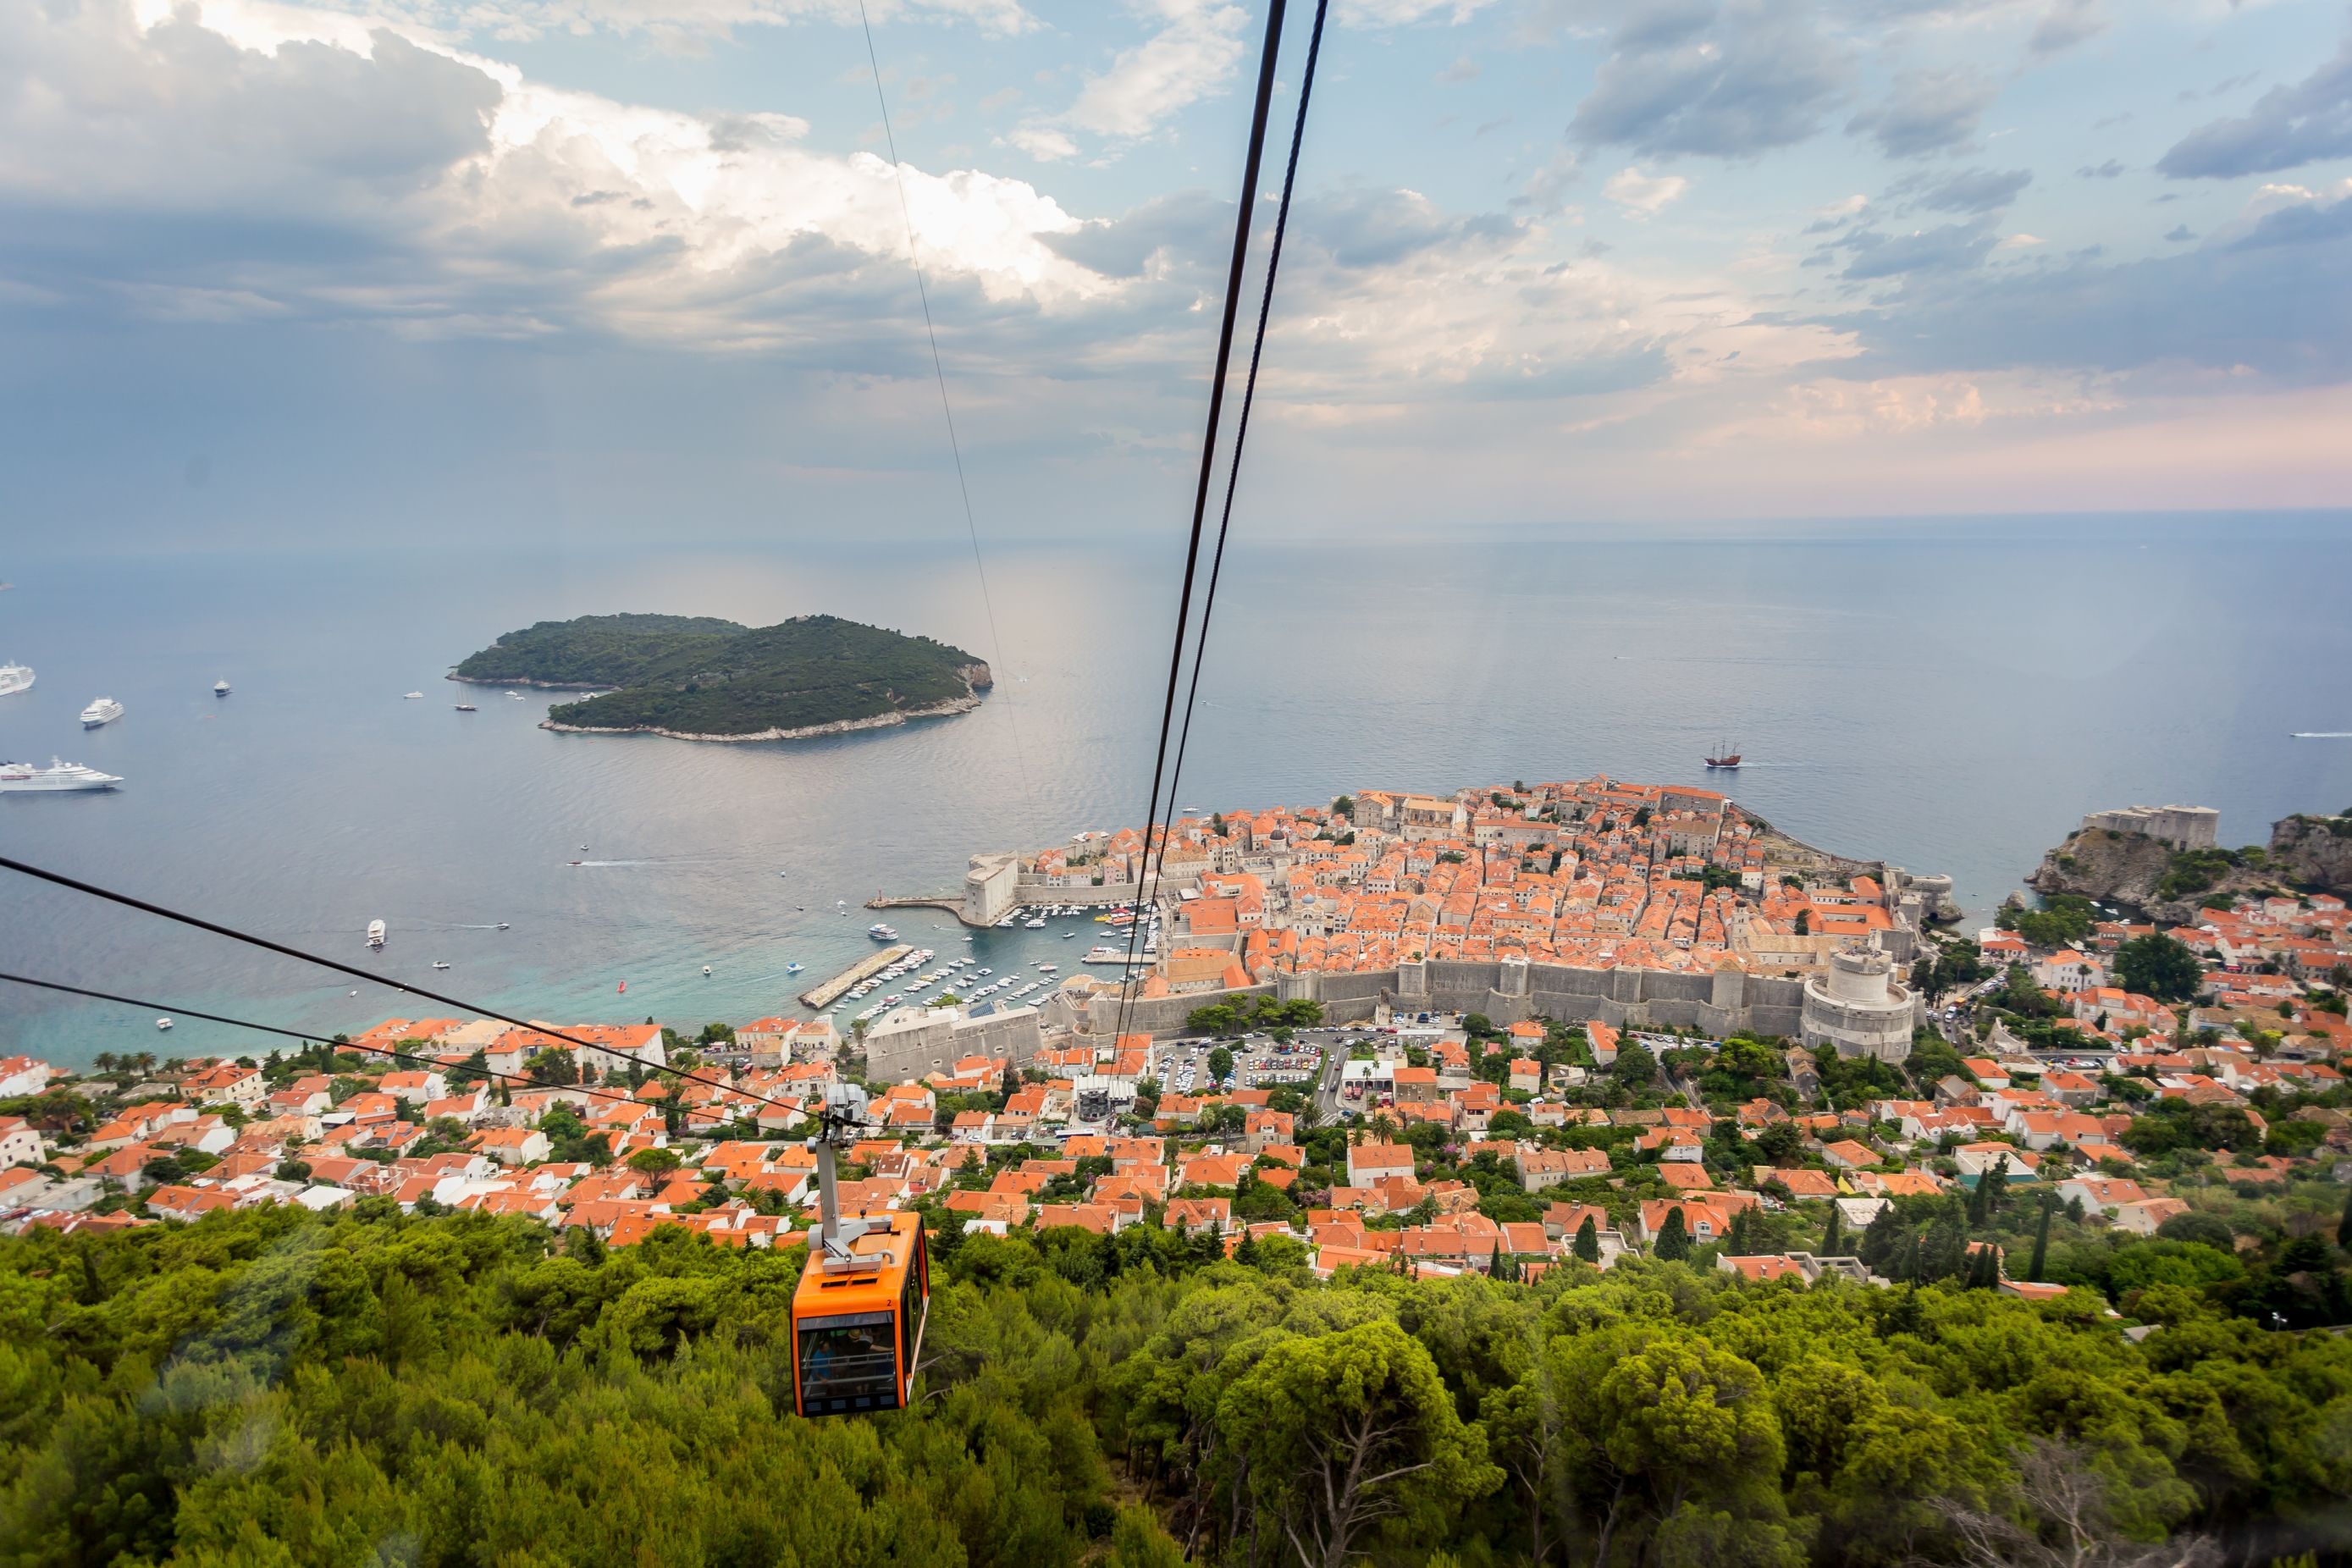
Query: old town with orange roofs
column 1510, row 1028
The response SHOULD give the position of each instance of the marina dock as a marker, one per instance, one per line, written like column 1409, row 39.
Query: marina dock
column 826, row 994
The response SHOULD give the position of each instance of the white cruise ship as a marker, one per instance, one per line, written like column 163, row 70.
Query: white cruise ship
column 15, row 677
column 105, row 711
column 57, row 778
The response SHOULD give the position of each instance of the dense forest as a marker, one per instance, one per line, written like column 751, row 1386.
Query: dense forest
column 371, row 1388
column 699, row 676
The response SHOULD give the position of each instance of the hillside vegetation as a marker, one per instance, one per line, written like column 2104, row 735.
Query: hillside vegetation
column 271, row 1386
column 697, row 676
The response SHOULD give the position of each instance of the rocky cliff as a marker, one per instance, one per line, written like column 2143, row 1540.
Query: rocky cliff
column 2152, row 879
column 2314, row 852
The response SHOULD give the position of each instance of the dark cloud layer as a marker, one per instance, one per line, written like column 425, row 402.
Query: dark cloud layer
column 1926, row 112
column 1726, row 80
column 2274, row 304
column 1975, row 190
column 2287, row 128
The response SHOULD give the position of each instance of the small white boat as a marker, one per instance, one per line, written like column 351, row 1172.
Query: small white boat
column 162, row 1023
column 793, row 968
column 516, row 695
column 466, row 708
column 104, row 710
column 412, row 696
column 438, row 965
column 220, row 687
column 502, row 925
column 375, row 933
column 706, row 969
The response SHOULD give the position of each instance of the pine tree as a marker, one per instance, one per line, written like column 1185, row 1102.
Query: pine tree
column 2042, row 1240
column 1588, row 1240
column 1883, row 1237
column 1834, row 1236
column 1673, row 1236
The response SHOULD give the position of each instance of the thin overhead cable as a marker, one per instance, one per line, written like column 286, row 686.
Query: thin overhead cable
column 532, row 1084
column 1248, row 202
column 1241, row 426
column 127, row 902
column 939, row 371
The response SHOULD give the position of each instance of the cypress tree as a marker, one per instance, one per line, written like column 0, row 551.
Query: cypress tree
column 1835, row 1234
column 2041, row 1241
column 1673, row 1236
column 1588, row 1241
column 1993, row 1187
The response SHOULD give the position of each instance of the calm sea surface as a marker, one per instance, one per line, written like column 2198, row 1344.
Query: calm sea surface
column 1952, row 697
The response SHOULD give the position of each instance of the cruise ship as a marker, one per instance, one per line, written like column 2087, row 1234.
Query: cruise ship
column 59, row 777
column 15, row 677
column 105, row 711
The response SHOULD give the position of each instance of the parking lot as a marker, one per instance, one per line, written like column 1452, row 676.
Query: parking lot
column 1259, row 1062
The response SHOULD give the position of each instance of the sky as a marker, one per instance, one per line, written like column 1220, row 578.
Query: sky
column 455, row 272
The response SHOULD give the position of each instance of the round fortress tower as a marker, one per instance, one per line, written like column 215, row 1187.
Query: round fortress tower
column 1858, row 1006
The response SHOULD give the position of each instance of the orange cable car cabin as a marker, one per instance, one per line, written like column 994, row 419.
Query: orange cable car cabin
column 858, row 1315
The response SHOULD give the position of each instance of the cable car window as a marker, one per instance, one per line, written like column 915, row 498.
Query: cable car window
column 910, row 1319
column 847, row 1362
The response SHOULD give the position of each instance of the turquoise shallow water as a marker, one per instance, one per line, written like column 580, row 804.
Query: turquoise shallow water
column 1950, row 696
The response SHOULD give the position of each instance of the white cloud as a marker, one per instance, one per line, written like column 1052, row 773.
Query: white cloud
column 1643, row 195
column 683, row 19
column 465, row 197
column 1400, row 12
column 2019, row 242
column 1192, row 56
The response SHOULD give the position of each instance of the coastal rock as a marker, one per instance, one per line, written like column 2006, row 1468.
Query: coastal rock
column 839, row 727
column 2314, row 852
column 2131, row 869
column 2113, row 867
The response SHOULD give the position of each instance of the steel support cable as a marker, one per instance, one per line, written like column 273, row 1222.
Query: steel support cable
column 532, row 1084
column 1241, row 426
column 939, row 371
column 198, row 922
column 1250, row 167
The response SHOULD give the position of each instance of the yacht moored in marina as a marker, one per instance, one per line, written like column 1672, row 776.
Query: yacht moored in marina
column 58, row 778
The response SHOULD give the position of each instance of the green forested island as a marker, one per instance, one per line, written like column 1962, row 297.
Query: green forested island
column 698, row 677
column 271, row 1386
